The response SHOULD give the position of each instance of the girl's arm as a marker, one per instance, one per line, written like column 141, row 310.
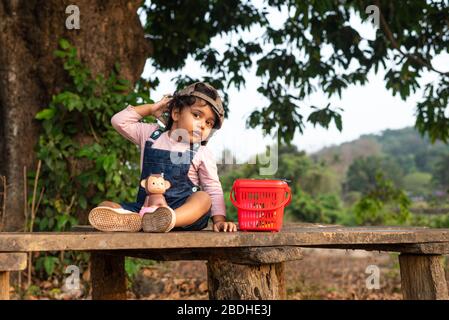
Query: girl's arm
column 145, row 109
column 127, row 122
column 208, row 176
column 153, row 109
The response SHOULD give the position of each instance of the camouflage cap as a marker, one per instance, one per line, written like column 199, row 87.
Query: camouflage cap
column 217, row 104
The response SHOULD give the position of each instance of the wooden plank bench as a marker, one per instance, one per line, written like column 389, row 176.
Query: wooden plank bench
column 241, row 265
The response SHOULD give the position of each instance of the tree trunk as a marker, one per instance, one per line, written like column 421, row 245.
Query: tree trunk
column 110, row 31
column 422, row 277
column 231, row 281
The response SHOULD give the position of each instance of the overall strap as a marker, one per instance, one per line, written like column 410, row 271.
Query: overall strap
column 193, row 149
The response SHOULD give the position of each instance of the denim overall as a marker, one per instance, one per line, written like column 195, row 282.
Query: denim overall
column 175, row 167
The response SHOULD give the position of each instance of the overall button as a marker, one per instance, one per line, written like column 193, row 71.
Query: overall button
column 194, row 189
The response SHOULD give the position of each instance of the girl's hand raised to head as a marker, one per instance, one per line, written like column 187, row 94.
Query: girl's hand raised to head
column 225, row 226
column 161, row 106
column 154, row 109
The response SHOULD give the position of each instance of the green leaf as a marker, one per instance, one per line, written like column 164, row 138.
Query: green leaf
column 100, row 186
column 119, row 87
column 338, row 122
column 64, row 44
column 45, row 114
column 60, row 54
column 85, row 151
column 116, row 179
column 49, row 264
column 43, row 223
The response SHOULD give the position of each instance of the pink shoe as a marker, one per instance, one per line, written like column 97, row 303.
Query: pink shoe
column 163, row 219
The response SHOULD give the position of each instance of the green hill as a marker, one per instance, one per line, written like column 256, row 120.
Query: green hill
column 406, row 147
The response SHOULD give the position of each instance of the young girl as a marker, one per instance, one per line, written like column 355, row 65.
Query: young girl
column 180, row 154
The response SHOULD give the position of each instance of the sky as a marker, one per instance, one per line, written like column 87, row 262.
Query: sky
column 366, row 109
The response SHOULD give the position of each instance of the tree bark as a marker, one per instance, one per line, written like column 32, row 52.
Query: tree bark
column 110, row 31
column 422, row 277
column 230, row 281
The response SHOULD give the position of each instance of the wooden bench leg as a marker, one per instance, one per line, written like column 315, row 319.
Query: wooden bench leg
column 227, row 280
column 4, row 285
column 108, row 276
column 10, row 262
column 422, row 277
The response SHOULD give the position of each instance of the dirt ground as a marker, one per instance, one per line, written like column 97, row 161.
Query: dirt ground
column 343, row 274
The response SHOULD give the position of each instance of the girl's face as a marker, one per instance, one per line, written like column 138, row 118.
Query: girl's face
column 195, row 121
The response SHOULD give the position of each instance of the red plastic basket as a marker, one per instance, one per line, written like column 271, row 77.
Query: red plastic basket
column 260, row 203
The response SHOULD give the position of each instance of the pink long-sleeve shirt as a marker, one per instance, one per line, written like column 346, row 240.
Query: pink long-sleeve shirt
column 203, row 169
